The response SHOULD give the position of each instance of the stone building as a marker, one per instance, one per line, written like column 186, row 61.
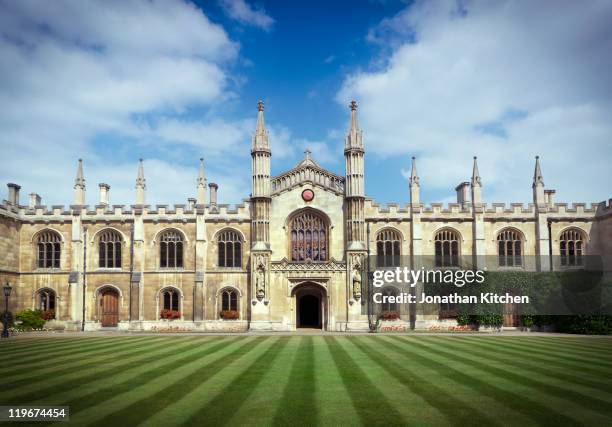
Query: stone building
column 292, row 255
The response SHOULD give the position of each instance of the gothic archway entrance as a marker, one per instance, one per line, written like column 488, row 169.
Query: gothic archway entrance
column 310, row 307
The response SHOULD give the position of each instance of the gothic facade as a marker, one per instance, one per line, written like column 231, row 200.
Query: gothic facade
column 292, row 255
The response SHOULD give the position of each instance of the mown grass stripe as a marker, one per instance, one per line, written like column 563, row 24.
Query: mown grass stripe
column 572, row 372
column 563, row 349
column 299, row 394
column 91, row 371
column 261, row 405
column 134, row 375
column 42, row 371
column 549, row 373
column 580, row 342
column 368, row 401
column 198, row 404
column 558, row 354
column 80, row 349
column 219, row 410
column 456, row 411
column 517, row 402
column 565, row 394
column 120, row 394
column 25, row 346
column 177, row 387
column 34, row 352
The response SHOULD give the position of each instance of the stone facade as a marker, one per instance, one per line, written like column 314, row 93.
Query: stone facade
column 266, row 278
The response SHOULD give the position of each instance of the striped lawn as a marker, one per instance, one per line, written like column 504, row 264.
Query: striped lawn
column 313, row 379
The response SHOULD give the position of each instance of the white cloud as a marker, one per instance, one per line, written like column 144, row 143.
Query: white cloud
column 242, row 12
column 501, row 80
column 73, row 71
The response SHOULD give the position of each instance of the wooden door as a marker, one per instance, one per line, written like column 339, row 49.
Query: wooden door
column 109, row 307
column 511, row 317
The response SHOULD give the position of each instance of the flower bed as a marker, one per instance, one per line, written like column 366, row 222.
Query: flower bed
column 229, row 314
column 170, row 314
column 389, row 315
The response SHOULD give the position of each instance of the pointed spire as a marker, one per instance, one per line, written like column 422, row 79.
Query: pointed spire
column 201, row 198
column 260, row 139
column 201, row 177
column 141, row 184
column 475, row 174
column 80, row 180
column 354, row 137
column 538, row 179
column 140, row 179
column 79, row 185
column 261, row 125
column 354, row 124
column 414, row 177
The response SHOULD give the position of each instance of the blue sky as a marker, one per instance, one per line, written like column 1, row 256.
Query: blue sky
column 171, row 81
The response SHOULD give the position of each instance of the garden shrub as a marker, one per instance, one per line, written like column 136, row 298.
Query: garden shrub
column 30, row 319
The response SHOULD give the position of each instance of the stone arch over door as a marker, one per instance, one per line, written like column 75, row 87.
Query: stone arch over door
column 108, row 305
column 310, row 306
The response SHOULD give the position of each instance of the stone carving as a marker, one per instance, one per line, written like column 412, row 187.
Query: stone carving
column 260, row 282
column 356, row 277
column 327, row 266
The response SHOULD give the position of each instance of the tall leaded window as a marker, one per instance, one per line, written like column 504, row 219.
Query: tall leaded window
column 109, row 249
column 46, row 299
column 171, row 249
column 509, row 248
column 387, row 292
column 229, row 300
column 170, row 298
column 447, row 248
column 49, row 249
column 308, row 237
column 571, row 247
column 388, row 248
column 230, row 249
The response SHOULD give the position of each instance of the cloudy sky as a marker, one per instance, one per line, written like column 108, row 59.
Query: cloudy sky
column 171, row 81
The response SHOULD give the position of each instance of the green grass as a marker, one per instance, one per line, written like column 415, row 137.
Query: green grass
column 313, row 380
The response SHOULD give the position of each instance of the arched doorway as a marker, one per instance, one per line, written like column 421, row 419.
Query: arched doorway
column 310, row 306
column 109, row 307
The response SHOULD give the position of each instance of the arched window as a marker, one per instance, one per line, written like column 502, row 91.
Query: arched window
column 388, row 248
column 230, row 249
column 229, row 304
column 389, row 291
column 308, row 238
column 509, row 248
column 170, row 298
column 109, row 249
column 447, row 248
column 571, row 247
column 49, row 249
column 171, row 249
column 45, row 299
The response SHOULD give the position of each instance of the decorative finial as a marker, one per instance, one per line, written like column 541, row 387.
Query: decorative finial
column 307, row 153
column 260, row 105
column 353, row 105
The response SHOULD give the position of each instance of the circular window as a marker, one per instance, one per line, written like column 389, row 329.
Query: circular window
column 307, row 195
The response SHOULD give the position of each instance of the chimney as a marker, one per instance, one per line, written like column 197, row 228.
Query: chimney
column 191, row 203
column 104, row 189
column 35, row 200
column 549, row 198
column 463, row 193
column 213, row 196
column 13, row 194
